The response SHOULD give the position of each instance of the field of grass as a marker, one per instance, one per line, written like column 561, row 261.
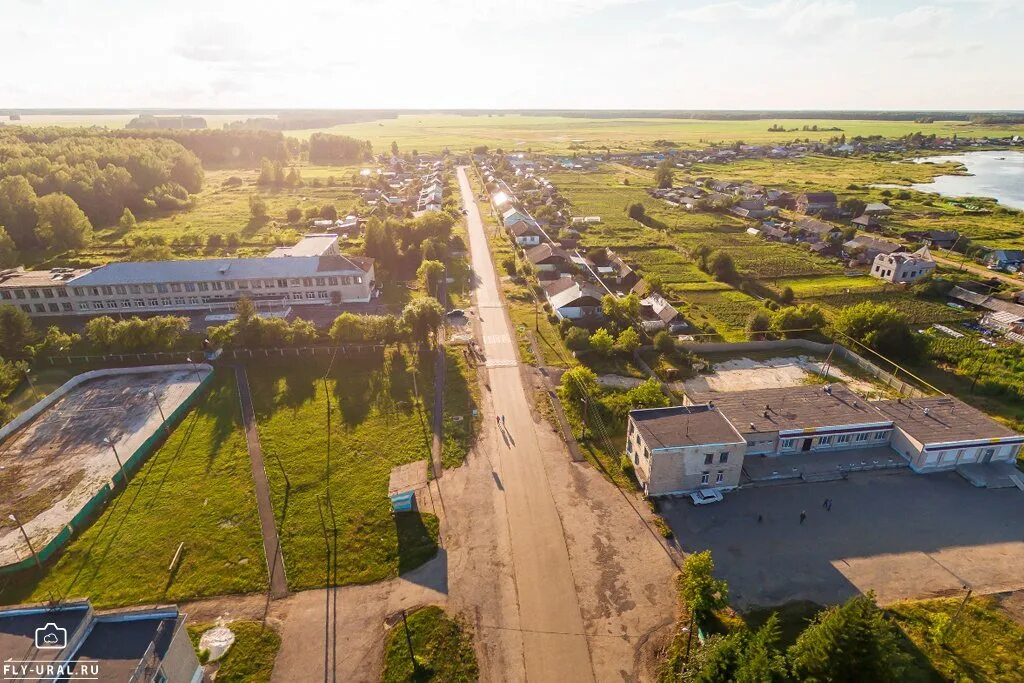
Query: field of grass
column 918, row 311
column 442, row 646
column 251, row 657
column 196, row 489
column 433, row 132
column 222, row 210
column 461, row 398
column 377, row 423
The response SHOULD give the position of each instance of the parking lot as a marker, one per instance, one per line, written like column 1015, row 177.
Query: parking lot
column 901, row 535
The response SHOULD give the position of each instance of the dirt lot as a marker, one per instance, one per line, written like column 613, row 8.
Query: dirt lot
column 53, row 465
column 900, row 535
column 742, row 374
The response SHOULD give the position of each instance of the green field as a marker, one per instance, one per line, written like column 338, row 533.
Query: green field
column 377, row 423
column 250, row 658
column 196, row 489
column 433, row 132
column 442, row 646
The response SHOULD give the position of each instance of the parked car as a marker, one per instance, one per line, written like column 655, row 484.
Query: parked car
column 456, row 313
column 706, row 496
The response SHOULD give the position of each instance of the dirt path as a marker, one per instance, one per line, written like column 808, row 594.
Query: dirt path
column 271, row 542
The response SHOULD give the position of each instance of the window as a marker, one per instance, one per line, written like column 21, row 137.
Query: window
column 67, row 306
column 54, row 308
column 217, row 286
column 77, row 291
column 154, row 302
column 359, row 280
column 140, row 303
column 5, row 294
column 162, row 289
column 205, row 299
column 296, row 295
column 26, row 308
column 61, row 292
column 126, row 303
column 786, row 443
column 636, row 459
column 19, row 294
column 175, row 287
column 880, row 435
column 268, row 283
column 48, row 293
column 310, row 295
column 295, row 282
column 107, row 290
column 121, row 289
column 705, row 477
column 165, row 301
column 179, row 301
column 824, row 440
column 724, row 457
column 243, row 284
column 322, row 294
column 332, row 281
column 709, row 458
column 97, row 305
column 843, row 438
column 307, row 282
column 230, row 284
column 321, row 281
column 193, row 299
column 204, row 286
column 33, row 293
column 282, row 283
column 135, row 289
column 148, row 289
column 720, row 477
column 40, row 308
column 257, row 284
column 863, row 436
column 112, row 303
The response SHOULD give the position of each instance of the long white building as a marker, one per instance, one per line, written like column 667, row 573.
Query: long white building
column 288, row 277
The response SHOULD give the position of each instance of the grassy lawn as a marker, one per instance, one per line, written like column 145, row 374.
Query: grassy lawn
column 461, row 398
column 984, row 645
column 442, row 646
column 376, row 424
column 197, row 489
column 250, row 658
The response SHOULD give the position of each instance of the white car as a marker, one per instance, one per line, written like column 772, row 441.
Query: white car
column 705, row 496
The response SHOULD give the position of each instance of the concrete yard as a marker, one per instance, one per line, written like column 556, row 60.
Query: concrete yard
column 53, row 465
column 900, row 534
column 742, row 374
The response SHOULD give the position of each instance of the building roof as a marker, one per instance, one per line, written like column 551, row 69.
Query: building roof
column 523, row 227
column 18, row 626
column 561, row 294
column 872, row 244
column 815, row 226
column 877, row 207
column 57, row 277
column 222, row 269
column 681, row 426
column 315, row 244
column 661, row 308
column 942, row 419
column 543, row 252
column 922, row 256
column 819, row 197
column 793, row 408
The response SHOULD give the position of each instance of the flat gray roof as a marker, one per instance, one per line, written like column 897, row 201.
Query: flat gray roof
column 681, row 426
column 948, row 420
column 221, row 269
column 788, row 408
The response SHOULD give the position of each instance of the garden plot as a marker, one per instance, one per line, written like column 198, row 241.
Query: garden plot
column 742, row 374
column 52, row 467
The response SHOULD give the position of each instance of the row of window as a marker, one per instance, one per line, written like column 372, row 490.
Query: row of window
column 177, row 301
column 705, row 477
column 710, row 458
column 176, row 287
column 64, row 307
column 837, row 439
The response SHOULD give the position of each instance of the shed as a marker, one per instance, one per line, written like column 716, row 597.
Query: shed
column 403, row 483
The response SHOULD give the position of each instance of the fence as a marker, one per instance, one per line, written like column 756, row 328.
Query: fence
column 183, row 356
column 133, row 462
column 902, row 387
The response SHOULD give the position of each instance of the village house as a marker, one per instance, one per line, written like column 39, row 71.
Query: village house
column 816, row 202
column 936, row 239
column 864, row 249
column 1004, row 259
column 813, row 230
column 512, row 216
column 526, row 233
column 868, row 223
column 658, row 314
column 574, row 300
column 548, row 260
column 877, row 209
column 903, row 268
column 621, row 273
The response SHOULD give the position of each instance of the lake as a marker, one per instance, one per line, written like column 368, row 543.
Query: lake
column 999, row 175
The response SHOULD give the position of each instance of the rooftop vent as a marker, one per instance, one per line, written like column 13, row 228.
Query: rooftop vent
column 752, row 427
column 711, row 404
column 828, row 389
column 926, row 410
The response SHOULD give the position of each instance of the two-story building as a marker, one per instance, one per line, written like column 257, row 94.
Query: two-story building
column 902, row 268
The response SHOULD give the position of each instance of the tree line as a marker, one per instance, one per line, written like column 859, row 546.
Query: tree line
column 325, row 148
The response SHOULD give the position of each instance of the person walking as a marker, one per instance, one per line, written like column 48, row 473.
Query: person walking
column 503, row 423
column 760, row 518
column 829, row 506
column 803, row 516
column 824, row 503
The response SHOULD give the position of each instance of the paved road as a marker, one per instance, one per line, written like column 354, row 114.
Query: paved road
column 271, row 542
column 554, row 647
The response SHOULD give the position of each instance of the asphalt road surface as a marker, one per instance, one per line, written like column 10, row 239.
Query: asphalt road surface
column 554, row 645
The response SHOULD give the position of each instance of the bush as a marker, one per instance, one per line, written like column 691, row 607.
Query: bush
column 577, row 339
column 602, row 342
column 664, row 342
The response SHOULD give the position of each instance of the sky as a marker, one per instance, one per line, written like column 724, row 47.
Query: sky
column 513, row 54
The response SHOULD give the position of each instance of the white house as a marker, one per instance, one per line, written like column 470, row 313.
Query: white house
column 573, row 300
column 901, row 268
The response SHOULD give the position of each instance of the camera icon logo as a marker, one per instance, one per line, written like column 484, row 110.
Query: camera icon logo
column 51, row 637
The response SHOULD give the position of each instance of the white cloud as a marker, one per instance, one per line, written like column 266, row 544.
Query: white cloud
column 792, row 17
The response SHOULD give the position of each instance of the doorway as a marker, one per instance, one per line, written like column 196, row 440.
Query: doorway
column 806, row 445
column 987, row 457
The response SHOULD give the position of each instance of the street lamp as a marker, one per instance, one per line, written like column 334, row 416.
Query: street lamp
column 27, row 541
column 110, row 443
column 158, row 407
column 31, row 385
column 195, row 368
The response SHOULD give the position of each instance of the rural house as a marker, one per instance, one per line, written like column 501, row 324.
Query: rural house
column 817, row 231
column 573, row 300
column 548, row 260
column 865, row 249
column 816, row 202
column 903, row 268
column 526, row 233
column 1004, row 259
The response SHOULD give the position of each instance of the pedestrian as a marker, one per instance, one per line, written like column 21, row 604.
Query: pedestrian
column 824, row 503
column 498, row 420
column 803, row 516
column 829, row 507
column 503, row 420
column 760, row 518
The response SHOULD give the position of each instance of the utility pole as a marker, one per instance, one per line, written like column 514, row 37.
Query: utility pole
column 32, row 550
column 110, row 442
column 585, row 407
column 952, row 622
column 160, row 408
column 408, row 641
